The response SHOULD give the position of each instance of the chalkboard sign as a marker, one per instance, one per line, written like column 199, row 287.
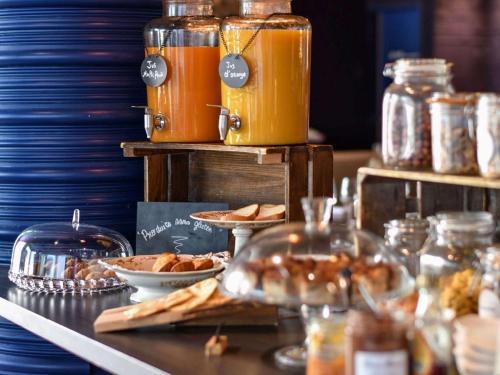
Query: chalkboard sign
column 154, row 70
column 166, row 226
column 233, row 70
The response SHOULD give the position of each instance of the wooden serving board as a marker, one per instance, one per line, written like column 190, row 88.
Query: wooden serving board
column 233, row 314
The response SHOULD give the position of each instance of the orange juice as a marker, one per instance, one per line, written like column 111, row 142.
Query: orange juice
column 192, row 83
column 274, row 104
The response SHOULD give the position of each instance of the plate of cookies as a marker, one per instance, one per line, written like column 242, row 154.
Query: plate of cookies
column 157, row 275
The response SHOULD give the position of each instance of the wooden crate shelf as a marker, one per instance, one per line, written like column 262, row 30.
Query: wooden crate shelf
column 238, row 175
column 450, row 179
column 386, row 194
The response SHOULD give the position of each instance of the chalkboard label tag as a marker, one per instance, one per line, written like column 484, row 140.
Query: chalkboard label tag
column 234, row 71
column 154, row 70
column 167, row 226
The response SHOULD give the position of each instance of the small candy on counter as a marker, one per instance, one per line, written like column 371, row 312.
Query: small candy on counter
column 216, row 346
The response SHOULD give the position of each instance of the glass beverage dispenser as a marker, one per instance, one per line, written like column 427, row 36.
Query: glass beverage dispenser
column 180, row 71
column 265, row 71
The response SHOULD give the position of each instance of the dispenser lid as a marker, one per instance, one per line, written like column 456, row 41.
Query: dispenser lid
column 62, row 257
column 429, row 67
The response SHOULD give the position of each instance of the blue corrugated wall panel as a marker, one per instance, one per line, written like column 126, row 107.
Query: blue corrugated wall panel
column 68, row 75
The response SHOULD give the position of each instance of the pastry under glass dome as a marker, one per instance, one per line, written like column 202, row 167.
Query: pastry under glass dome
column 296, row 264
column 62, row 257
column 315, row 266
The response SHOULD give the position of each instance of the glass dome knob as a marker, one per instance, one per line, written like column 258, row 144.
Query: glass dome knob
column 76, row 219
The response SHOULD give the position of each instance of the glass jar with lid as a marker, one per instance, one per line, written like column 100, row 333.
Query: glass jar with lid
column 488, row 134
column 180, row 71
column 453, row 133
column 489, row 298
column 269, row 49
column 447, row 284
column 405, row 238
column 449, row 262
column 406, row 124
column 64, row 258
column 376, row 344
column 326, row 342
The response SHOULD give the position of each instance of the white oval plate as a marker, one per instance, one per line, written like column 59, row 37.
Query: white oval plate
column 210, row 218
column 151, row 285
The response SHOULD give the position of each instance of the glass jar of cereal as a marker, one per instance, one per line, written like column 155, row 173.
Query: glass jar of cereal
column 448, row 263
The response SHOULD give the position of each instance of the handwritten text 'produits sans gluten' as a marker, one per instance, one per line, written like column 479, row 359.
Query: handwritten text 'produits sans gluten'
column 149, row 234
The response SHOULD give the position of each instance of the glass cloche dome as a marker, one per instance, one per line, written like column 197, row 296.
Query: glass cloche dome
column 63, row 257
column 316, row 264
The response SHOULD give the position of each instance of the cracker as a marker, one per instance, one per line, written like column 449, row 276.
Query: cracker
column 148, row 308
column 201, row 292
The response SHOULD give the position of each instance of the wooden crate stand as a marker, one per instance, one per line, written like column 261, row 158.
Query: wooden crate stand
column 176, row 172
column 388, row 194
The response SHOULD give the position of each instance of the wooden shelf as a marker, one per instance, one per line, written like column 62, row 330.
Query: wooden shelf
column 472, row 181
column 264, row 154
column 238, row 175
column 386, row 194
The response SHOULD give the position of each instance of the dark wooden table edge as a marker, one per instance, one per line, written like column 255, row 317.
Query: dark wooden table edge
column 91, row 350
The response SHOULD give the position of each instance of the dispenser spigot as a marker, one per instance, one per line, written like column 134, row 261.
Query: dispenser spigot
column 151, row 121
column 227, row 121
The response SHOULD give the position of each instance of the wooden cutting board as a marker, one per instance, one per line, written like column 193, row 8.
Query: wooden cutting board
column 232, row 314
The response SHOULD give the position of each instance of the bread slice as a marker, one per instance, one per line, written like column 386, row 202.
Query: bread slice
column 247, row 213
column 271, row 212
column 164, row 262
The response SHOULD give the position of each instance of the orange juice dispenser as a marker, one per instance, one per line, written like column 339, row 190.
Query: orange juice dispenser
column 180, row 72
column 265, row 72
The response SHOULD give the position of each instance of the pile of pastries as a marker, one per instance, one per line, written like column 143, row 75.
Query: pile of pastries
column 321, row 280
column 169, row 262
column 166, row 262
column 86, row 270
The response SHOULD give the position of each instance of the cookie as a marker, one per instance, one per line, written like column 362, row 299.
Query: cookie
column 183, row 266
column 203, row 264
column 164, row 262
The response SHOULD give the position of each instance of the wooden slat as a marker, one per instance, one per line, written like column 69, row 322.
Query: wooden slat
column 155, row 178
column 493, row 203
column 265, row 155
column 234, row 178
column 296, row 182
column 475, row 181
column 178, row 177
column 379, row 201
column 441, row 197
column 321, row 172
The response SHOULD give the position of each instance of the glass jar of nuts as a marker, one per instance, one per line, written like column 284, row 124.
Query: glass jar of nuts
column 64, row 258
column 488, row 134
column 406, row 124
column 453, row 133
column 449, row 262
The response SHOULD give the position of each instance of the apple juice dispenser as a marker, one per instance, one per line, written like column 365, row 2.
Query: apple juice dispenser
column 265, row 71
column 180, row 71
